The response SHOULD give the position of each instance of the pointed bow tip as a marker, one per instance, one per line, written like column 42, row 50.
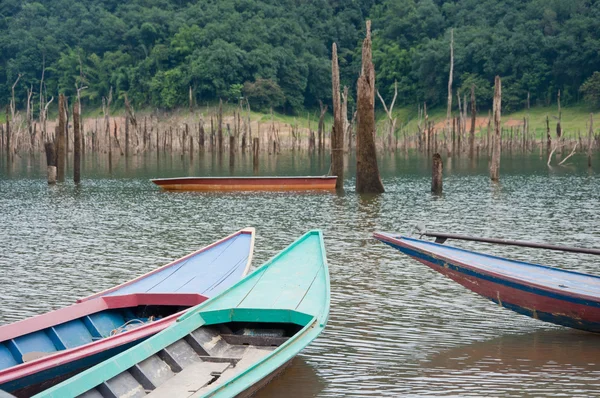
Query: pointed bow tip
column 248, row 230
column 387, row 235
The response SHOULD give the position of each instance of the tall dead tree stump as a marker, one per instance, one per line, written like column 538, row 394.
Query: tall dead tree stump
column 76, row 144
column 60, row 142
column 496, row 150
column 337, row 135
column 367, row 171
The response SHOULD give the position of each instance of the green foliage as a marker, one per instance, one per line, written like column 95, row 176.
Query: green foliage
column 484, row 90
column 235, row 92
column 535, row 46
column 154, row 50
column 264, row 94
column 591, row 89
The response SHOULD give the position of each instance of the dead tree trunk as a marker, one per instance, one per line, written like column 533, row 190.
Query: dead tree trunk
column 29, row 120
column 66, row 112
column 391, row 119
column 220, row 126
column 7, row 135
column 212, row 135
column 473, row 121
column 337, row 135
column 321, row 127
column 495, row 164
column 255, row 149
column 449, row 109
column 76, row 144
column 345, row 122
column 60, row 147
column 201, row 135
column 548, row 136
column 367, row 171
column 590, row 134
column 558, row 126
column 50, row 162
column 437, row 171
column 126, row 136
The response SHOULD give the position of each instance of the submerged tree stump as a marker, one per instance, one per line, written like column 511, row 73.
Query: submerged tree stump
column 60, row 142
column 220, row 127
column 495, row 163
column 367, row 171
column 473, row 121
column 436, row 180
column 76, row 144
column 50, row 162
column 255, row 149
column 590, row 134
column 337, row 134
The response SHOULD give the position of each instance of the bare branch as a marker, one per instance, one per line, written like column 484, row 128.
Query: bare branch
column 571, row 154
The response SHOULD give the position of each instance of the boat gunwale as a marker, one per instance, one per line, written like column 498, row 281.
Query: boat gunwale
column 265, row 266
column 63, row 357
column 280, row 350
column 61, row 315
column 247, row 230
column 243, row 178
column 400, row 240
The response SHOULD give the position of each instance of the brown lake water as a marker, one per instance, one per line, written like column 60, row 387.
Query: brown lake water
column 396, row 327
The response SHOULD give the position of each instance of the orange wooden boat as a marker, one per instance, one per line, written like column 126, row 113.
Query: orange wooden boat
column 247, row 183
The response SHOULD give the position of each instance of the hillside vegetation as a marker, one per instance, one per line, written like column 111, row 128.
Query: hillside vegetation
column 277, row 53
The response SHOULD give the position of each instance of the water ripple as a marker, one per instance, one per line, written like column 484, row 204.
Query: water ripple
column 396, row 327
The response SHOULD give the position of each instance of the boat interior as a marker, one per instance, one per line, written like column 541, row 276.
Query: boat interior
column 80, row 331
column 203, row 359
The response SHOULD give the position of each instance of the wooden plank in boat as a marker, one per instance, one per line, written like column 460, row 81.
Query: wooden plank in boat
column 259, row 341
column 190, row 379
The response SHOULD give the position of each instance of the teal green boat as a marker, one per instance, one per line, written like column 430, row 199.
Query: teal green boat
column 230, row 345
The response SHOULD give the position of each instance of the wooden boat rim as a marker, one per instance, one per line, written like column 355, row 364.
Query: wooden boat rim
column 65, row 314
column 279, row 351
column 266, row 265
column 66, row 356
column 402, row 241
column 235, row 178
column 247, row 230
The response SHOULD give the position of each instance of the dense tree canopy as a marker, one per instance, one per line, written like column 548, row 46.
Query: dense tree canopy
column 277, row 52
column 536, row 46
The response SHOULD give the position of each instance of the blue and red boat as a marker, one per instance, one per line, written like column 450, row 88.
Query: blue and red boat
column 553, row 295
column 41, row 351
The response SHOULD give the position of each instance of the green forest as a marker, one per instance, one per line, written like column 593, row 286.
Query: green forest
column 277, row 53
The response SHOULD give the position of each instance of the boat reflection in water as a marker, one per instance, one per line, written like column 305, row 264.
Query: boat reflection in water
column 298, row 381
column 557, row 353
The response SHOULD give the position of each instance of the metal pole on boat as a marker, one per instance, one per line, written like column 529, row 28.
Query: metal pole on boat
column 442, row 237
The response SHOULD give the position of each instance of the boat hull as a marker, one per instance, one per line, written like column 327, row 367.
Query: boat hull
column 38, row 352
column 247, row 183
column 253, row 389
column 34, row 376
column 41, row 381
column 521, row 297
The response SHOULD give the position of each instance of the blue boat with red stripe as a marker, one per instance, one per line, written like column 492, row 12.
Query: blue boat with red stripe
column 549, row 294
column 39, row 352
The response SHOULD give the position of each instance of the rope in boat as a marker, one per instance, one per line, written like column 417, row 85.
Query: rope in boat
column 124, row 327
